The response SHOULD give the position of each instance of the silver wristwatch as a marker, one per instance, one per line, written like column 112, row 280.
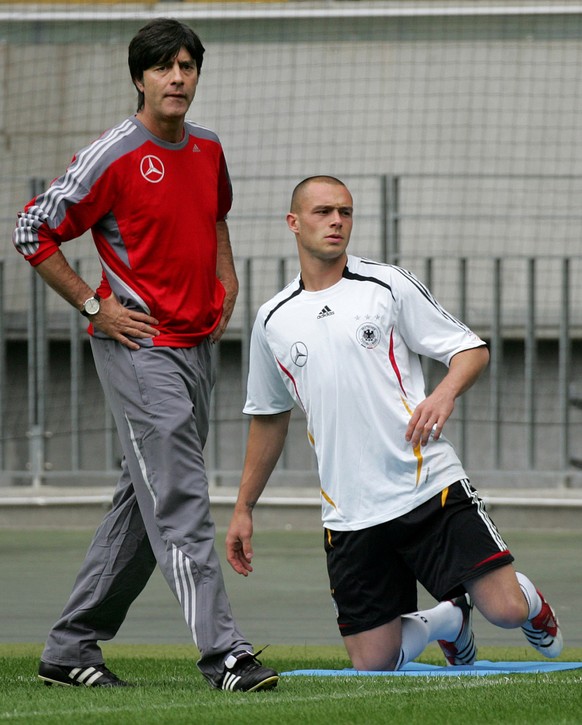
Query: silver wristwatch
column 91, row 306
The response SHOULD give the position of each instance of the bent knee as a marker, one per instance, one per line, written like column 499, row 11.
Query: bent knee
column 377, row 649
column 375, row 664
column 508, row 614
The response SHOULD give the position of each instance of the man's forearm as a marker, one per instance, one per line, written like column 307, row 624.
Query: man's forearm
column 265, row 443
column 225, row 269
column 464, row 369
column 58, row 274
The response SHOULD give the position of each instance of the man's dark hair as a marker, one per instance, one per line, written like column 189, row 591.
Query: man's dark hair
column 158, row 42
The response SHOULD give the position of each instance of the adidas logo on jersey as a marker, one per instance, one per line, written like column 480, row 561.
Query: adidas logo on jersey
column 326, row 312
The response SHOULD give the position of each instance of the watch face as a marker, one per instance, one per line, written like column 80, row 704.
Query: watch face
column 91, row 306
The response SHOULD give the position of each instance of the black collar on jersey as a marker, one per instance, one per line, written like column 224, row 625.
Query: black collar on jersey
column 360, row 278
column 295, row 292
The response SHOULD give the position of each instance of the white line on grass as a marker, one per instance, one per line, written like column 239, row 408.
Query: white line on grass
column 450, row 684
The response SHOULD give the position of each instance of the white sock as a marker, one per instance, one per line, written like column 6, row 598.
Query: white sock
column 418, row 629
column 532, row 598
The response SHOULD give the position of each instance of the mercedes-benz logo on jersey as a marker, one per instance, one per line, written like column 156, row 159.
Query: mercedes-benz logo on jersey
column 369, row 335
column 299, row 353
column 152, row 169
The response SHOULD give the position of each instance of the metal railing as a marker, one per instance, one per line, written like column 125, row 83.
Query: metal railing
column 532, row 371
column 525, row 414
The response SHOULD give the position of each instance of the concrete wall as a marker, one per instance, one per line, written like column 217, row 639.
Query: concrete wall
column 356, row 97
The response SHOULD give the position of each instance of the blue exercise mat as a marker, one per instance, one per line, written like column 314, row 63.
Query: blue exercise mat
column 482, row 667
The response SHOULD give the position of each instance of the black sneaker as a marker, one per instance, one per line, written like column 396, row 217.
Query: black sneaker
column 91, row 676
column 244, row 673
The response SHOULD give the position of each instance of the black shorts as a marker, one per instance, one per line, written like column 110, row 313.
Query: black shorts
column 443, row 543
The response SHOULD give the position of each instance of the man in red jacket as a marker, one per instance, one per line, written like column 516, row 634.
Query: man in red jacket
column 154, row 191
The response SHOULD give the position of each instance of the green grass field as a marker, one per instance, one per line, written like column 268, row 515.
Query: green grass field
column 285, row 602
column 169, row 690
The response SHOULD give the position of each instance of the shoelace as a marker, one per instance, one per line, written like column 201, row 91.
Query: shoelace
column 249, row 662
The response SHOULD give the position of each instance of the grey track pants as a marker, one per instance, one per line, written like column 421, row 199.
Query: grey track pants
column 160, row 401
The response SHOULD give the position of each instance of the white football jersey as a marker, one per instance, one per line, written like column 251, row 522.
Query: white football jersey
column 348, row 356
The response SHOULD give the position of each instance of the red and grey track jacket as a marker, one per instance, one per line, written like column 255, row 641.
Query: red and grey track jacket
column 152, row 208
